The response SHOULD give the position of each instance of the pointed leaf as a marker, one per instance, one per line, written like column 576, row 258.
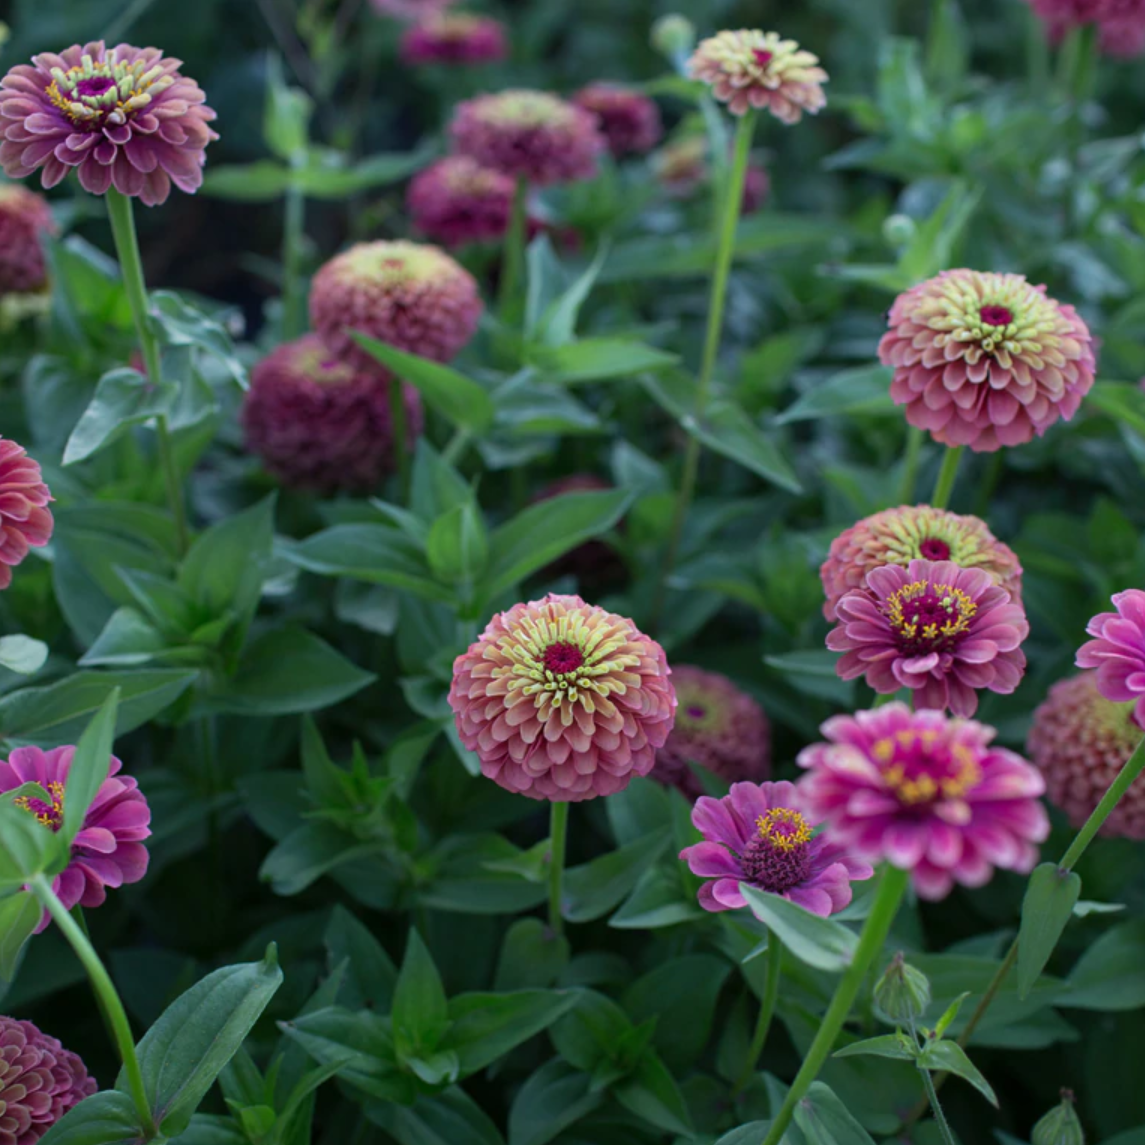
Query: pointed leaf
column 90, row 766
column 123, row 398
column 485, row 1027
column 951, row 1057
column 884, row 1046
column 1050, row 898
column 420, row 1013
column 820, row 942
column 22, row 654
column 20, row 914
column 106, row 1118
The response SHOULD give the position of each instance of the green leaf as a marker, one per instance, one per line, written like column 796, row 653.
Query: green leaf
column 866, row 389
column 557, row 325
column 1051, row 895
column 458, row 546
column 211, row 1129
column 532, row 954
column 421, row 1012
column 598, row 359
column 325, row 176
column 485, row 1027
column 650, row 1092
column 107, row 1118
column 933, row 245
column 260, row 182
column 895, row 1046
column 553, row 1098
column 591, row 1033
column 128, row 640
column 951, row 1057
column 819, row 942
column 286, row 120
column 311, row 851
column 89, row 767
column 27, row 847
column 20, row 914
column 1124, row 402
column 371, row 974
column 22, row 654
column 449, row 1118
column 1110, row 975
column 123, row 398
column 360, row 1043
column 825, row 1120
column 594, row 888
column 949, row 1015
column 185, row 323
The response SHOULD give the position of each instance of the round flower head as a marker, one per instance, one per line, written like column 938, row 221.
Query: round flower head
column 40, row 1081
column 123, row 117
column 1080, row 741
column 24, row 219
column 928, row 794
column 1117, row 651
column 1120, row 23
column 528, row 134
column 986, row 360
column 562, row 700
column 899, row 536
column 319, row 424
column 940, row 630
column 454, row 38
column 681, row 167
column 753, row 69
column 457, row 201
column 629, row 120
column 25, row 519
column 109, row 850
column 757, row 834
column 409, row 9
column 410, row 296
column 717, row 726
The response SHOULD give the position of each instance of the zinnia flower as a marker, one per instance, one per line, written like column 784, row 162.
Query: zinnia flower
column 317, row 423
column 756, row 189
column 1120, row 23
column 122, row 116
column 940, row 630
column 928, row 794
column 629, row 119
column 457, row 201
column 1118, row 651
column 528, row 134
column 408, row 295
column 1080, row 741
column 717, row 726
column 899, row 536
column 562, row 700
column 749, row 68
column 986, row 360
column 682, row 166
column 39, row 1082
column 454, row 38
column 24, row 219
column 109, row 850
column 757, row 834
column 25, row 519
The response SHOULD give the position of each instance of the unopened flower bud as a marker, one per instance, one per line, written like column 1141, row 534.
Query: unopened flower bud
column 898, row 230
column 673, row 35
column 903, row 993
column 1060, row 1126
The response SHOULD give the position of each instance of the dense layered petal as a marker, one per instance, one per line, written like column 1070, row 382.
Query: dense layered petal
column 25, row 219
column 25, row 519
column 457, row 201
column 454, row 38
column 629, row 120
column 1117, row 651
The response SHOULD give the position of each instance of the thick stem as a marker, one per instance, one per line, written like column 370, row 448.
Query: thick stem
column 122, row 219
column 107, row 994
column 398, row 437
column 914, row 439
column 766, row 1012
column 889, row 895
column 944, row 486
column 293, row 235
column 513, row 262
column 558, row 834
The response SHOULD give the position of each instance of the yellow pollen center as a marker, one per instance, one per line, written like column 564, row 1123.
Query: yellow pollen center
column 913, row 781
column 784, row 828
column 925, row 614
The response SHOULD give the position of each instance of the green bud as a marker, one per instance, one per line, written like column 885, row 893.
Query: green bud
column 898, row 230
column 1060, row 1126
column 903, row 993
column 673, row 35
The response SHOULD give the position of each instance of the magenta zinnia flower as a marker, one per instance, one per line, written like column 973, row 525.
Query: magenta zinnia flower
column 899, row 536
column 1120, row 23
column 25, row 519
column 629, row 120
column 411, row 296
column 940, row 630
column 122, row 116
column 1118, row 651
column 1080, row 741
column 319, row 424
column 40, row 1081
column 717, row 726
column 454, row 38
column 25, row 219
column 928, row 794
column 757, row 834
column 528, row 134
column 986, row 360
column 750, row 68
column 562, row 700
column 109, row 850
column 457, row 201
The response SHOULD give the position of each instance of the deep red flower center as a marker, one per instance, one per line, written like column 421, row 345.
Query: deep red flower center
column 50, row 814
column 778, row 856
column 919, row 769
column 562, row 658
column 97, row 85
column 929, row 617
column 996, row 315
column 762, row 56
column 932, row 549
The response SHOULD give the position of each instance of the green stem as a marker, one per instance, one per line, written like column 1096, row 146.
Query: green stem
column 989, row 482
column 122, row 220
column 889, row 895
column 944, row 486
column 109, row 998
column 456, row 446
column 766, row 1012
column 558, row 835
column 293, row 234
column 939, row 1116
column 914, row 440
column 1037, row 53
column 513, row 262
column 399, row 433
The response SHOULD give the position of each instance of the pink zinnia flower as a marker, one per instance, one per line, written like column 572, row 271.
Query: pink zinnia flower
column 681, row 167
column 629, row 120
column 719, row 727
column 1118, row 651
column 899, row 536
column 750, row 68
column 411, row 296
column 1120, row 23
column 528, row 134
column 756, row 189
column 319, row 424
column 109, row 850
column 986, row 360
column 25, row 519
column 454, row 38
column 122, row 116
column 1080, row 741
column 25, row 219
column 940, row 630
column 40, row 1081
column 928, row 794
column 562, row 700
column 757, row 834
column 457, row 201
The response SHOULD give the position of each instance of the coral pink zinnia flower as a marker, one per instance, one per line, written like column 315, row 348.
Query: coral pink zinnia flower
column 25, row 518
column 1080, row 741
column 454, row 38
column 927, row 793
column 1118, row 651
column 122, row 116
column 629, row 119
column 457, row 201
column 24, row 220
column 319, row 424
column 757, row 834
column 40, row 1081
column 717, row 726
column 528, row 134
column 562, row 700
column 940, row 630
column 899, row 536
column 411, row 296
column 109, row 850
column 750, row 68
column 986, row 360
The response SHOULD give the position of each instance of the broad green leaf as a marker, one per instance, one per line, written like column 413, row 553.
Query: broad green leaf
column 211, row 1129
column 933, row 246
column 750, row 1134
column 89, row 767
column 308, row 853
column 371, row 972
column 532, row 955
column 185, row 323
column 420, row 1013
column 592, row 1032
column 951, row 1057
column 128, row 640
column 820, row 942
column 895, row 1046
column 458, row 547
column 594, row 888
column 650, row 1092
column 22, row 654
column 557, row 325
column 260, row 182
column 286, row 118
column 554, row 1097
column 326, row 177
column 485, row 1027
column 1110, row 975
column 449, row 1118
column 866, row 389
column 27, row 847
column 107, row 1118
column 825, row 1120
column 20, row 914
column 598, row 359
column 470, row 876
column 123, row 398
column 1048, row 905
column 1124, row 402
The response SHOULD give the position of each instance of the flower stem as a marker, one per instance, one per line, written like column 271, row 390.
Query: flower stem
column 889, row 895
column 766, row 1012
column 293, row 235
column 939, row 1116
column 398, row 435
column 107, row 994
column 558, row 835
column 914, row 439
column 513, row 262
column 122, row 220
column 944, row 486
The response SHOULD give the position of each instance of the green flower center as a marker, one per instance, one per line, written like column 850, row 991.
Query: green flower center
column 94, row 95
